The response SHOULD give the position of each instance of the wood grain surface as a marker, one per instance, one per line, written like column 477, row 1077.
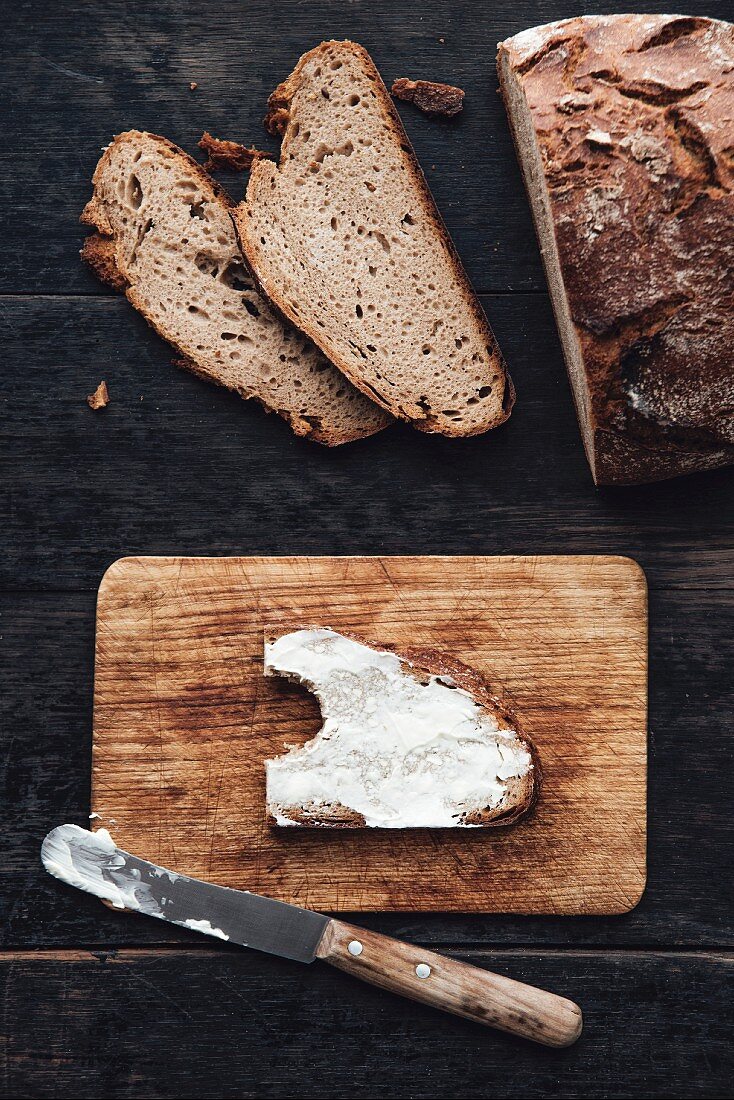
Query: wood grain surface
column 46, row 713
column 174, row 466
column 187, row 1024
column 184, row 719
column 451, row 985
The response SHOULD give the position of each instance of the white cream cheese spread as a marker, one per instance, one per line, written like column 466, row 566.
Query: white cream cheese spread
column 402, row 752
column 91, row 862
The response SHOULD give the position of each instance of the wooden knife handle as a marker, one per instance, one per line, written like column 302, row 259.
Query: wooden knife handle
column 451, row 985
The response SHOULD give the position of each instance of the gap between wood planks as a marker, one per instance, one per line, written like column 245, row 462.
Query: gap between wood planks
column 109, row 953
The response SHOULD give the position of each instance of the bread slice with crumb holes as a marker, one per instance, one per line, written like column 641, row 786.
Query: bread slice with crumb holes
column 165, row 238
column 410, row 739
column 345, row 238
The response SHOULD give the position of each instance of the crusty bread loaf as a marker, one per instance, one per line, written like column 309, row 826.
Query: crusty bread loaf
column 344, row 237
column 165, row 237
column 624, row 127
column 410, row 739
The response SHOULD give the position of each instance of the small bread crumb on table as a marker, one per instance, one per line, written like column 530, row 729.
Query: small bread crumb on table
column 229, row 155
column 193, row 85
column 276, row 120
column 100, row 398
column 430, row 96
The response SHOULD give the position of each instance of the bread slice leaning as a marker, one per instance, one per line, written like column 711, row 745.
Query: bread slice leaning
column 344, row 236
column 165, row 238
column 411, row 739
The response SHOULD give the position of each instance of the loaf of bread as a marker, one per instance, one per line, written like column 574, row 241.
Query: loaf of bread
column 411, row 739
column 624, row 127
column 166, row 239
column 345, row 238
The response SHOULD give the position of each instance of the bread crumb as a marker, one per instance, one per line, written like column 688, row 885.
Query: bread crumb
column 442, row 40
column 193, row 85
column 430, row 96
column 229, row 155
column 100, row 398
column 276, row 120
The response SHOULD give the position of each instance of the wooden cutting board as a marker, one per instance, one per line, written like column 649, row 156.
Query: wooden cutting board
column 183, row 720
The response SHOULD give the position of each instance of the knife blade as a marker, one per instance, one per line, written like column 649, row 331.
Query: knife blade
column 92, row 862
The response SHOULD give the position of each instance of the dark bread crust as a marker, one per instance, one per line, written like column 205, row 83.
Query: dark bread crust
column 634, row 118
column 276, row 122
column 321, row 816
column 230, row 156
column 522, row 793
column 100, row 252
column 430, row 96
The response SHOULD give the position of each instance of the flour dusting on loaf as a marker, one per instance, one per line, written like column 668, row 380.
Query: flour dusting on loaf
column 408, row 740
column 624, row 127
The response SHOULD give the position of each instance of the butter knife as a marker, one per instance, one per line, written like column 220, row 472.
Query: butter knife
column 90, row 861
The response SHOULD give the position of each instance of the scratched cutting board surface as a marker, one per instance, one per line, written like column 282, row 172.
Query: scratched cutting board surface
column 184, row 720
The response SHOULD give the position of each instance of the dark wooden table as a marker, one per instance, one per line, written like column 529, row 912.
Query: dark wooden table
column 98, row 1004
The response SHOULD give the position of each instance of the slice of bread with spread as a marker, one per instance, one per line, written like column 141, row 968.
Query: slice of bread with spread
column 166, row 239
column 624, row 128
column 410, row 739
column 344, row 237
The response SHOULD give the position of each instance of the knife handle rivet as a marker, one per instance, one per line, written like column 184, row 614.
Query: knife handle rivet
column 355, row 948
column 423, row 970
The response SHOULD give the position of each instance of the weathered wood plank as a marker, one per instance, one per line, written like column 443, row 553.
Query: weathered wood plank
column 229, row 1023
column 45, row 715
column 174, row 465
column 73, row 82
column 129, row 65
column 190, row 469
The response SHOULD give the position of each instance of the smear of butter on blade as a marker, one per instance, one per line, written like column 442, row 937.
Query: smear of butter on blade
column 206, row 927
column 91, row 862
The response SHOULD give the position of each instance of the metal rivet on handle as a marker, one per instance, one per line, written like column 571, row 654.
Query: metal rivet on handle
column 423, row 970
column 355, row 948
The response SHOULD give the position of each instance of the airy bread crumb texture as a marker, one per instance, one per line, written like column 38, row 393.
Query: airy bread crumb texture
column 165, row 237
column 344, row 237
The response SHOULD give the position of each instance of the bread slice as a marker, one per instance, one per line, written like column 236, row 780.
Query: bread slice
column 344, row 236
column 165, row 237
column 411, row 739
column 623, row 127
